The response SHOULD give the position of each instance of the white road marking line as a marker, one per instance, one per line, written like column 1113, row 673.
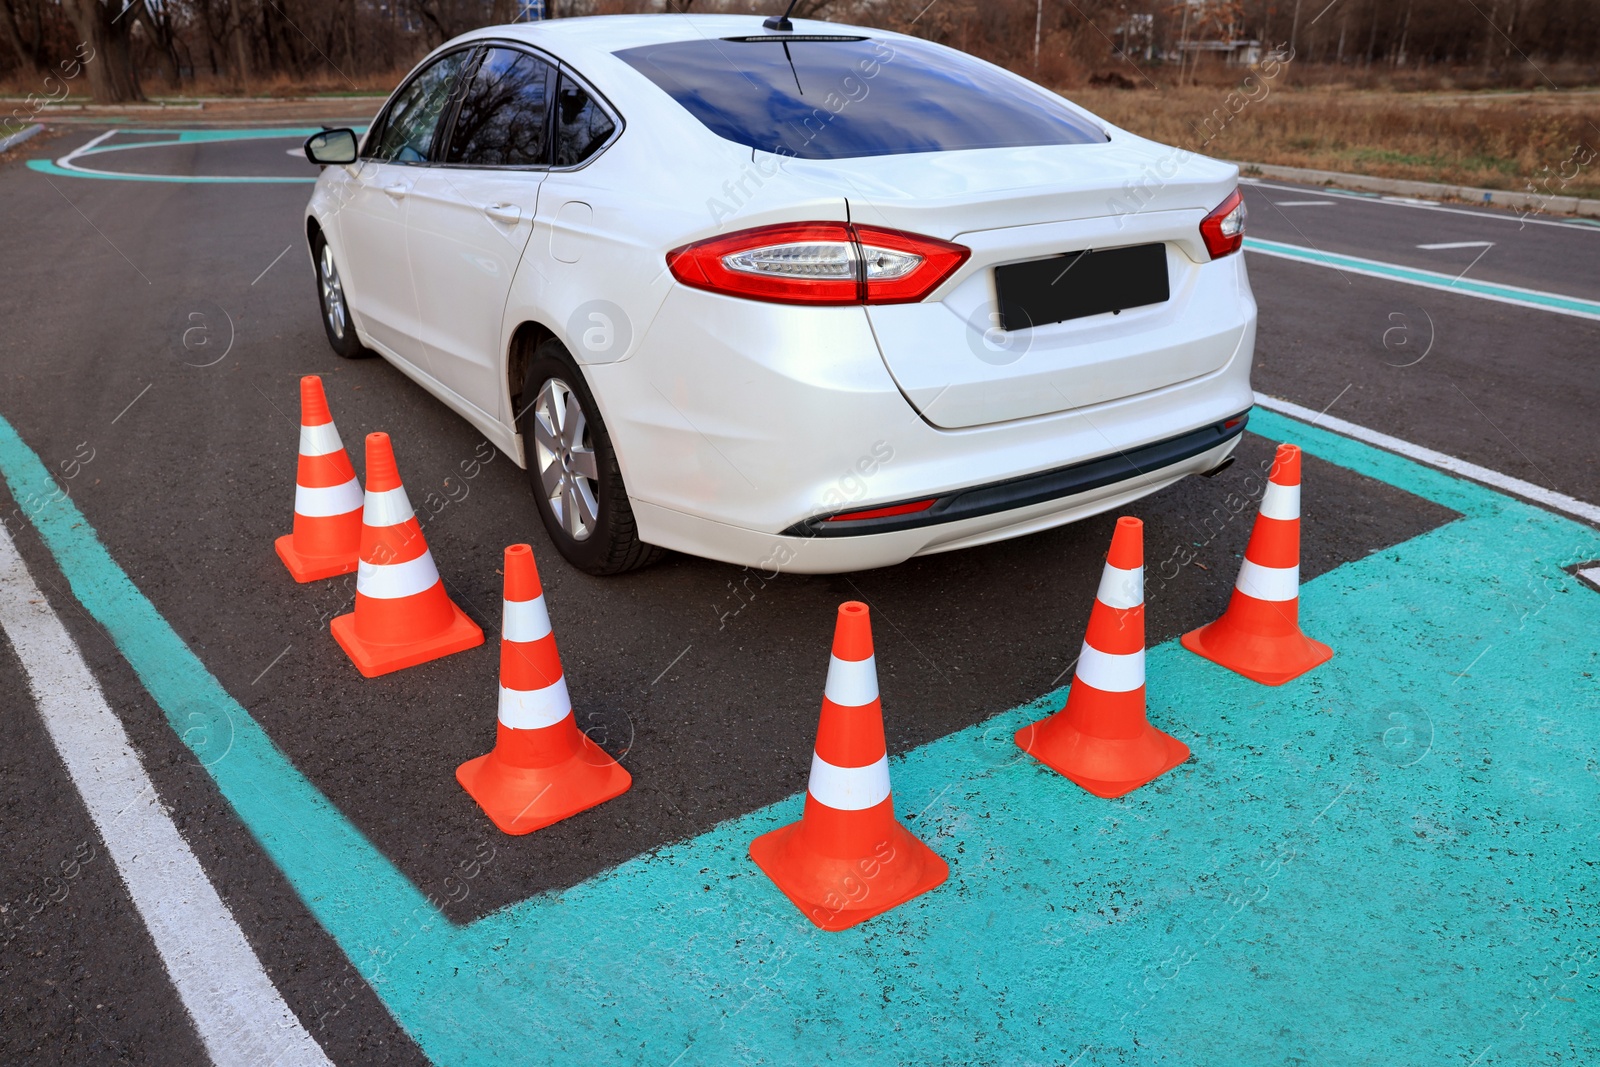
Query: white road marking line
column 1492, row 214
column 240, row 1016
column 1591, row 575
column 1457, row 244
column 1302, row 203
column 81, row 149
column 1516, row 486
column 1499, row 292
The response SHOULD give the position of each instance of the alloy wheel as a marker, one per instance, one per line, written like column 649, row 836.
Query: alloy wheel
column 565, row 457
column 332, row 292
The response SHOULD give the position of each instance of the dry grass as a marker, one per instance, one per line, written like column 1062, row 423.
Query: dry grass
column 1520, row 141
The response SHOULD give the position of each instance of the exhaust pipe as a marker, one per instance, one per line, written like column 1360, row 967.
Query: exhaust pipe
column 1219, row 468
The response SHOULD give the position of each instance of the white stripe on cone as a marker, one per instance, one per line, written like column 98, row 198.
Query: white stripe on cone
column 1121, row 588
column 391, row 581
column 524, row 620
column 388, row 508
column 1111, row 672
column 534, row 709
column 320, row 502
column 1281, row 501
column 319, row 440
column 1268, row 583
column 852, row 682
column 849, row 788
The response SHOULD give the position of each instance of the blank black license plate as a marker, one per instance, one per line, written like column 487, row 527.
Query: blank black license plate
column 1080, row 283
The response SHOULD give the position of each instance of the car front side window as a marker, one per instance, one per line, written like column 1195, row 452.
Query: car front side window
column 407, row 133
column 504, row 108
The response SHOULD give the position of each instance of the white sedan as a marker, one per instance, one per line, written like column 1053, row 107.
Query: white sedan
column 811, row 299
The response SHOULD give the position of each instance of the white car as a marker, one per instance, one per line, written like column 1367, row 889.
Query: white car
column 809, row 299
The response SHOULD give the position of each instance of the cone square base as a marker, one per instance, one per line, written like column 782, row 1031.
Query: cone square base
column 520, row 800
column 373, row 659
column 1030, row 739
column 775, row 853
column 1289, row 657
column 305, row 568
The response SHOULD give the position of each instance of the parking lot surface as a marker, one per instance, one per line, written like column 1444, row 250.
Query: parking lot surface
column 1388, row 859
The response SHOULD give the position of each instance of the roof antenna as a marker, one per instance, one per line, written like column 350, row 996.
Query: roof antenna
column 781, row 22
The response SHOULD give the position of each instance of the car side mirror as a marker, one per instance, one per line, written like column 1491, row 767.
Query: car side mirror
column 331, row 146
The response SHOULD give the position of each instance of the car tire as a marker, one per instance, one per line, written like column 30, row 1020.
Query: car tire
column 573, row 469
column 336, row 322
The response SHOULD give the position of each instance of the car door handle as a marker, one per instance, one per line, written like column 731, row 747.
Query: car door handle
column 398, row 190
column 510, row 214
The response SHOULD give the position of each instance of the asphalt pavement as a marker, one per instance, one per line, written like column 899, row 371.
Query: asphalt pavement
column 703, row 679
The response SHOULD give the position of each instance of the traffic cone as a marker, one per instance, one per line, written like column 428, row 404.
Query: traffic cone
column 1101, row 738
column 848, row 858
column 543, row 768
column 327, row 498
column 1259, row 635
column 403, row 615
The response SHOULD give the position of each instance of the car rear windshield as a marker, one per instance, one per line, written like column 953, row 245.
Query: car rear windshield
column 825, row 97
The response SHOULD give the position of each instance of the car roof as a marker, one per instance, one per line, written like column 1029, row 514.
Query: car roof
column 611, row 33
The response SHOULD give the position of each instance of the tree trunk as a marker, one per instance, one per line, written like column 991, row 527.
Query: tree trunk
column 210, row 35
column 239, row 42
column 1405, row 28
column 109, row 66
column 163, row 42
column 28, row 63
column 1490, row 38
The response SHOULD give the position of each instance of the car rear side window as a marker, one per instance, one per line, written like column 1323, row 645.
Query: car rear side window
column 582, row 124
column 413, row 117
column 820, row 97
column 502, row 121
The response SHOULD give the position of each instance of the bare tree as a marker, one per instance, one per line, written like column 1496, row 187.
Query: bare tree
column 156, row 17
column 22, row 31
column 103, row 29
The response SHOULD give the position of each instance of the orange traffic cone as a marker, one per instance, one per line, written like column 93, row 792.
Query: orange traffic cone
column 403, row 615
column 848, row 859
column 543, row 768
column 327, row 497
column 1259, row 635
column 1101, row 738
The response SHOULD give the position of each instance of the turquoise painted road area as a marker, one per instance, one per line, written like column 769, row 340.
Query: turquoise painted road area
column 67, row 167
column 1390, row 860
column 1505, row 294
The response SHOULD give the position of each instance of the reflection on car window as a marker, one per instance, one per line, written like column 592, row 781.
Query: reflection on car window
column 503, row 111
column 842, row 97
column 582, row 124
column 407, row 135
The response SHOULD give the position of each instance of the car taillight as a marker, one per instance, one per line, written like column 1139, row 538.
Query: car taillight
column 819, row 263
column 1223, row 229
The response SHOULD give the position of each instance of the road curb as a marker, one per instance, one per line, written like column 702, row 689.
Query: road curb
column 1534, row 202
column 8, row 143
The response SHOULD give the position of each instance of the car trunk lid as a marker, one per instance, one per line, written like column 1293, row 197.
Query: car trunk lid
column 948, row 354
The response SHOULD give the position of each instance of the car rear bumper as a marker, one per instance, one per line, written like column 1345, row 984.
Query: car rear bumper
column 1016, row 494
column 811, row 554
